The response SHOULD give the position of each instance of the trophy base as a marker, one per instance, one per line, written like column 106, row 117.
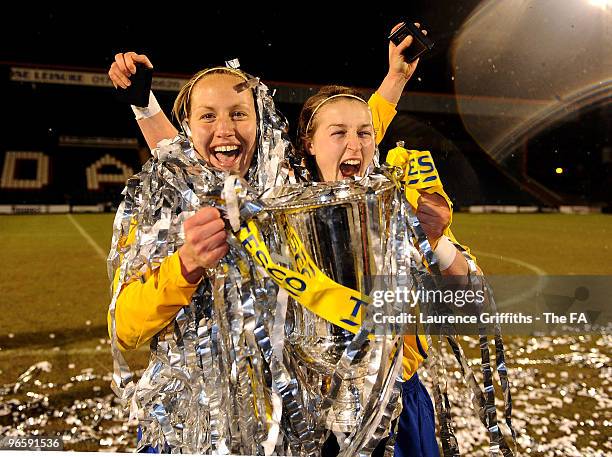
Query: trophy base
column 345, row 413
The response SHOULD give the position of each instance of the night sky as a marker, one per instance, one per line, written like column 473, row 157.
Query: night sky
column 291, row 43
column 339, row 45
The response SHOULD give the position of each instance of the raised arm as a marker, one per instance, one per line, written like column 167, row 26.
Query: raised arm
column 382, row 103
column 153, row 122
column 400, row 71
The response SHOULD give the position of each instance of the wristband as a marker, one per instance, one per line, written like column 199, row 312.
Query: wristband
column 445, row 252
column 151, row 109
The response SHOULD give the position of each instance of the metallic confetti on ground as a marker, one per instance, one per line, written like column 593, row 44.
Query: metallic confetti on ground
column 561, row 391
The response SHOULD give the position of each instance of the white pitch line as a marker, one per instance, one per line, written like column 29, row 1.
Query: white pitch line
column 104, row 348
column 51, row 351
column 527, row 294
column 87, row 237
column 537, row 270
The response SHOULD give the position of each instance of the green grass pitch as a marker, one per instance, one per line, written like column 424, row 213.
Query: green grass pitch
column 54, row 291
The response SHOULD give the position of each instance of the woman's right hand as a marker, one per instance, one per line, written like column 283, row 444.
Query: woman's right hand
column 397, row 61
column 124, row 67
column 205, row 243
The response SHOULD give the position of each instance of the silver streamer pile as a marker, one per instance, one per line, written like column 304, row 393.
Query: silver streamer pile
column 221, row 378
column 561, row 397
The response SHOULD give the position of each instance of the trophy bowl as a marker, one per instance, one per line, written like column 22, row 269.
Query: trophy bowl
column 343, row 228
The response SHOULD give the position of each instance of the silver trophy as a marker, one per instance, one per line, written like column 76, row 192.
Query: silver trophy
column 344, row 228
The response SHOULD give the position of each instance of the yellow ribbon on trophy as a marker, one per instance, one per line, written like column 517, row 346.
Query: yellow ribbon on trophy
column 418, row 173
column 309, row 286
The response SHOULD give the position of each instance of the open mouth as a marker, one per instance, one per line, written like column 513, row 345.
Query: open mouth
column 350, row 168
column 227, row 156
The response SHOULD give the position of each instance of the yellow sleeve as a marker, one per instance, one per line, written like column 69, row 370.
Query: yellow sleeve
column 383, row 113
column 144, row 307
column 415, row 351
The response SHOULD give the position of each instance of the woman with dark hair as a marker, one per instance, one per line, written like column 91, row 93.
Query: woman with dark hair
column 336, row 140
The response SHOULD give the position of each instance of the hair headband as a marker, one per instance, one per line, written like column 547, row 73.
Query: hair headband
column 325, row 101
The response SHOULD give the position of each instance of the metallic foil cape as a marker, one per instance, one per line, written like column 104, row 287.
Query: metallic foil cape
column 221, row 365
column 188, row 397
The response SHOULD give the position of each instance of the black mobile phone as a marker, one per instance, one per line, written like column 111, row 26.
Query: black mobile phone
column 420, row 43
column 137, row 93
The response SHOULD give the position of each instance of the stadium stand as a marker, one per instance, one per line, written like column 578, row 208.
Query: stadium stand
column 70, row 143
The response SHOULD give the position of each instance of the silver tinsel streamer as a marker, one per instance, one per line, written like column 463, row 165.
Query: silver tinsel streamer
column 214, row 371
column 483, row 402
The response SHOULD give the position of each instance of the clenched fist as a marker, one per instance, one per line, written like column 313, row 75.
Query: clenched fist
column 205, row 243
column 434, row 215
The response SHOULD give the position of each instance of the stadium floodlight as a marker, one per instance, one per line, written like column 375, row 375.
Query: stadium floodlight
column 603, row 4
